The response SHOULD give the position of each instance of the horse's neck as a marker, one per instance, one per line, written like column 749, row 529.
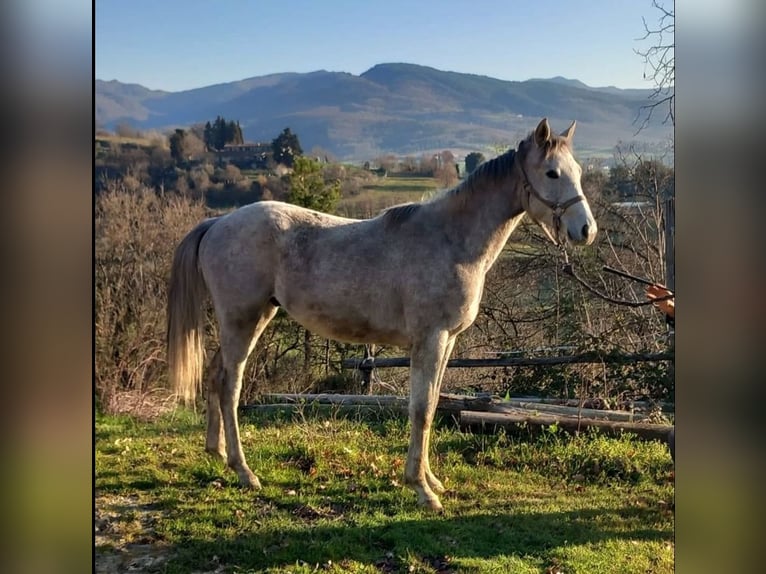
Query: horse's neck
column 485, row 219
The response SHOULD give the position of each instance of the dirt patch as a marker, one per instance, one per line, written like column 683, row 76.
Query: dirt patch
column 124, row 536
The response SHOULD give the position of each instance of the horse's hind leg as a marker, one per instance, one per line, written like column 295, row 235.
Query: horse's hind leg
column 215, row 441
column 425, row 368
column 238, row 337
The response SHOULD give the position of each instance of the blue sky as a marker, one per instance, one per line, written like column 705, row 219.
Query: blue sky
column 181, row 44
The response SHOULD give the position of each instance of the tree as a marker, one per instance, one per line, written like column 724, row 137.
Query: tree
column 222, row 132
column 308, row 187
column 286, row 148
column 446, row 175
column 184, row 145
column 620, row 186
column 444, row 168
column 387, row 162
column 176, row 142
column 660, row 65
column 473, row 160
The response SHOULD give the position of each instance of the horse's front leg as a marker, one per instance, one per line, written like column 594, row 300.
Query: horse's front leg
column 434, row 482
column 425, row 370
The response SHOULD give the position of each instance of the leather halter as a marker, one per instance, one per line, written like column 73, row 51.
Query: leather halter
column 557, row 209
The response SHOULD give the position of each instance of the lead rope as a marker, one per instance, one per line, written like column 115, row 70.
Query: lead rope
column 569, row 270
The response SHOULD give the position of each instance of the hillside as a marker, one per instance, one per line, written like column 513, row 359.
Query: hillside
column 396, row 108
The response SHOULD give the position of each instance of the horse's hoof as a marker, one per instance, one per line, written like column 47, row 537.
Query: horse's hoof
column 432, row 503
column 250, row 481
column 215, row 453
column 435, row 484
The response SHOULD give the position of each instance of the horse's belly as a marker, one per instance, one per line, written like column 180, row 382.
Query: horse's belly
column 349, row 328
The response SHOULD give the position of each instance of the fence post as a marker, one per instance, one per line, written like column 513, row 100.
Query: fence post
column 670, row 277
column 366, row 367
column 670, row 243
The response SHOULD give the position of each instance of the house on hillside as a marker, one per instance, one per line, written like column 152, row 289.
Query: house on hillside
column 246, row 155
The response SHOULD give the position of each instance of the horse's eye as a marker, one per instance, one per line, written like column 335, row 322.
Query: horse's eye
column 552, row 173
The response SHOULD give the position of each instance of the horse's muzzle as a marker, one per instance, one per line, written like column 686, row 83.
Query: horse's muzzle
column 585, row 235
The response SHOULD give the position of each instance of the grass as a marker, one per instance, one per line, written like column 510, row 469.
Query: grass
column 385, row 192
column 139, row 141
column 333, row 501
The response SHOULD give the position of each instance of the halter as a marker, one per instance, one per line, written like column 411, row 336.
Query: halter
column 557, row 209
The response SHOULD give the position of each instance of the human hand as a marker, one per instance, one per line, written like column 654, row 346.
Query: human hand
column 658, row 291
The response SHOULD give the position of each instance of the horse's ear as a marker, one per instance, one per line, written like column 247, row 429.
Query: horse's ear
column 542, row 132
column 569, row 132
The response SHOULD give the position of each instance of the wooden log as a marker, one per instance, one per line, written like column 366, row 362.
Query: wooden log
column 664, row 405
column 573, row 411
column 490, row 422
column 333, row 399
column 325, row 409
column 448, row 403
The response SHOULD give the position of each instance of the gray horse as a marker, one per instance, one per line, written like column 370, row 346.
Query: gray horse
column 412, row 277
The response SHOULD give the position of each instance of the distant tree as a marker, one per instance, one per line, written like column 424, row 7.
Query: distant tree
column 207, row 136
column 594, row 182
column 446, row 157
column 620, row 184
column 185, row 145
column 193, row 146
column 286, row 148
column 387, row 162
column 444, row 168
column 308, row 187
column 428, row 164
column 473, row 160
column 409, row 164
column 653, row 180
column 176, row 146
column 233, row 133
column 222, row 132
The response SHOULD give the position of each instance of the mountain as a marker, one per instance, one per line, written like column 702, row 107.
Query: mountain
column 390, row 108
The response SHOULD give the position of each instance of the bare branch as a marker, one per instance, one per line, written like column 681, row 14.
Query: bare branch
column 659, row 66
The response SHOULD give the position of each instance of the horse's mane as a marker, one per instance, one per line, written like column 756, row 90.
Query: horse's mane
column 493, row 171
column 499, row 168
column 398, row 214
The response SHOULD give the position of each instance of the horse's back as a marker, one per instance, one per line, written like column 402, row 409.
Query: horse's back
column 356, row 280
column 251, row 247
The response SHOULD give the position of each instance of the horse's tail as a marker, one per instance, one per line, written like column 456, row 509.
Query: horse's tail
column 186, row 297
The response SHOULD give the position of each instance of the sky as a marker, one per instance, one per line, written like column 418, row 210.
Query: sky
column 176, row 45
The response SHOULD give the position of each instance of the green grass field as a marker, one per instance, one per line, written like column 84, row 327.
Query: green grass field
column 333, row 501
column 385, row 192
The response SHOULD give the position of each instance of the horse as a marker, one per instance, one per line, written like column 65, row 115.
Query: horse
column 411, row 277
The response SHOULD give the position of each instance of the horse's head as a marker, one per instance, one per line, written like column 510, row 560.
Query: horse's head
column 552, row 193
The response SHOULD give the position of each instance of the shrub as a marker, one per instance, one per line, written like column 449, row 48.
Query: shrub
column 136, row 232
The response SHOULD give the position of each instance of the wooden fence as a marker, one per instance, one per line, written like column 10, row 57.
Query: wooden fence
column 369, row 363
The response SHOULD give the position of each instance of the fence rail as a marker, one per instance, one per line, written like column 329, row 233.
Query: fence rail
column 387, row 362
column 367, row 364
